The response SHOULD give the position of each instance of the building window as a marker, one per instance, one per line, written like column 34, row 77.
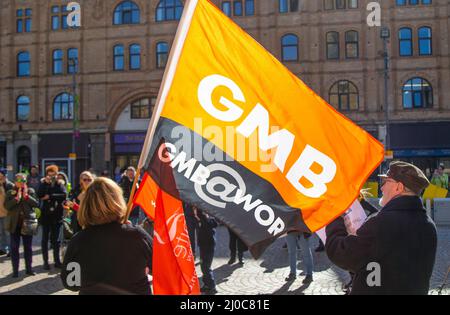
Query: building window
column 23, row 20
column 289, row 47
column 344, row 96
column 340, row 4
column 412, row 2
column 59, row 17
column 58, row 56
column 119, row 58
column 226, row 8
column 135, row 57
column 417, row 93
column 162, row 52
column 142, row 109
column 332, row 45
column 285, row 6
column 23, row 64
column 169, row 10
column 127, row 12
column 63, row 107
column 72, row 61
column 405, row 41
column 249, row 7
column 23, row 108
column 425, row 41
column 351, row 45
column 238, row 8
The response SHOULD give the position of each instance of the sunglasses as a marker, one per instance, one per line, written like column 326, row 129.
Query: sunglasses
column 387, row 181
column 21, row 180
column 87, row 180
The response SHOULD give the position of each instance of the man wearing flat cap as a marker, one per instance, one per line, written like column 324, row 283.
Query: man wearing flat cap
column 399, row 242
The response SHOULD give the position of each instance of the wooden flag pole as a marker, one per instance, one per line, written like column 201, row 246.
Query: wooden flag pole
column 167, row 80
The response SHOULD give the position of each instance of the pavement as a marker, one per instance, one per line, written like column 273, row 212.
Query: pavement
column 263, row 276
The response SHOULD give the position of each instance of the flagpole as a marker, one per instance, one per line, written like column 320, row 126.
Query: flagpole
column 166, row 83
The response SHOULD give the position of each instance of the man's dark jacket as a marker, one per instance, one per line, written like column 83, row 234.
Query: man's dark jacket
column 52, row 209
column 402, row 239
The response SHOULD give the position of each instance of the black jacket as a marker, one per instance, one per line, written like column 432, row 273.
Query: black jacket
column 402, row 239
column 52, row 209
column 206, row 231
column 113, row 259
column 127, row 185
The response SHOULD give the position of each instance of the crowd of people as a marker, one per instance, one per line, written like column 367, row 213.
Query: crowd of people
column 33, row 200
column 117, row 253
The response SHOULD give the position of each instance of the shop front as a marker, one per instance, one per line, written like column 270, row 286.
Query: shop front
column 126, row 150
column 426, row 145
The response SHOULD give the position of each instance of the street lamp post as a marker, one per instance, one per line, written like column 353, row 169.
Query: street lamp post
column 75, row 135
column 385, row 35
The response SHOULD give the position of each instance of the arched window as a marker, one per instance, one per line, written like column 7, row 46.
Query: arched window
column 169, row 10
column 405, row 41
column 162, row 52
column 58, row 56
column 417, row 93
column 23, row 108
column 23, row 64
column 23, row 158
column 119, row 58
column 351, row 44
column 289, row 47
column 63, row 107
column 332, row 45
column 135, row 57
column 344, row 96
column 425, row 40
column 127, row 12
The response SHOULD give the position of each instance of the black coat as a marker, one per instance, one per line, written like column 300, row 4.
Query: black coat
column 113, row 259
column 52, row 209
column 127, row 185
column 402, row 239
column 206, row 231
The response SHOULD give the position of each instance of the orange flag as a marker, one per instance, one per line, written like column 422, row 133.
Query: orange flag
column 248, row 141
column 173, row 261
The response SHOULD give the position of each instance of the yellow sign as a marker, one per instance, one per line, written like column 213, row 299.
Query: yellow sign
column 373, row 188
column 434, row 191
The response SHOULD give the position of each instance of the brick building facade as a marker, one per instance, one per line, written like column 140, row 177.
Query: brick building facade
column 122, row 46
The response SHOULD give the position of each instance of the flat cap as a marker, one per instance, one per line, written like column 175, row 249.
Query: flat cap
column 409, row 175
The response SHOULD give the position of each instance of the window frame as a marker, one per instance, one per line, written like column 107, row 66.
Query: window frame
column 23, row 104
column 58, row 100
column 284, row 46
column 23, row 62
column 340, row 95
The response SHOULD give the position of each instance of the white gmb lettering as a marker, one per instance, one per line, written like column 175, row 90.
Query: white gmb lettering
column 282, row 141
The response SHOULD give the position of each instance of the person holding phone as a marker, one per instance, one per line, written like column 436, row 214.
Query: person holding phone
column 21, row 222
